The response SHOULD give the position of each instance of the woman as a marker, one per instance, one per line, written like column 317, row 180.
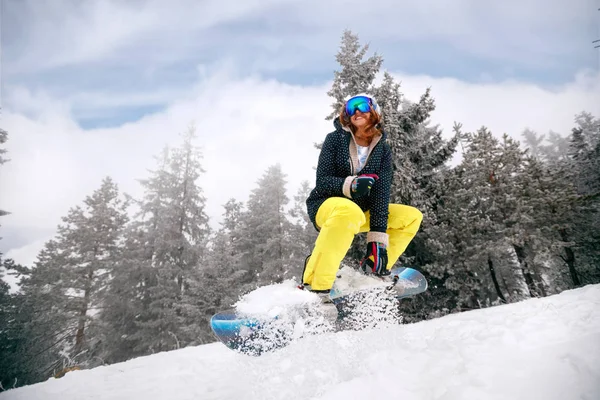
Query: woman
column 352, row 195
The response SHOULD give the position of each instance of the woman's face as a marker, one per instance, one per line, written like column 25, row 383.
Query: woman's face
column 360, row 119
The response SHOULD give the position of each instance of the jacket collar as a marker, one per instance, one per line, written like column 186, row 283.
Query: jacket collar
column 353, row 146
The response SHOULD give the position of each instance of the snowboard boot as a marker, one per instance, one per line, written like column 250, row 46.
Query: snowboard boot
column 326, row 306
column 329, row 310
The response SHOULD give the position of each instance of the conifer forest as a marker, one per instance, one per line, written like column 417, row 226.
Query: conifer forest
column 125, row 277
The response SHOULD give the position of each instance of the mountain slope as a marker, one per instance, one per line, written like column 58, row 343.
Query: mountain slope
column 537, row 349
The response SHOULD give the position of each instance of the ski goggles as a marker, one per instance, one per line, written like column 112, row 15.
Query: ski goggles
column 360, row 103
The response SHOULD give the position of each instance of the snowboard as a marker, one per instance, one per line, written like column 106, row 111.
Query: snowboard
column 255, row 335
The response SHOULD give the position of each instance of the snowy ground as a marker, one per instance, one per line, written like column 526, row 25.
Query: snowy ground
column 537, row 349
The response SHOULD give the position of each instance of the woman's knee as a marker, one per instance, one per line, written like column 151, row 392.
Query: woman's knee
column 340, row 211
column 417, row 214
column 402, row 216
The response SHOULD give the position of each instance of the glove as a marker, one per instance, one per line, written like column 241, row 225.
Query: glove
column 376, row 259
column 362, row 184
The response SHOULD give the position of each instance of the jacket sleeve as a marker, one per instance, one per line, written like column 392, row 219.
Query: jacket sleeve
column 380, row 198
column 327, row 182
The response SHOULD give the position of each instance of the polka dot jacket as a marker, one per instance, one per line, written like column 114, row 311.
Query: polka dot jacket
column 338, row 166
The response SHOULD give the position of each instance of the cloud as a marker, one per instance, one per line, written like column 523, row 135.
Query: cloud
column 151, row 43
column 244, row 126
column 509, row 106
column 65, row 32
column 61, row 33
column 536, row 29
column 107, row 62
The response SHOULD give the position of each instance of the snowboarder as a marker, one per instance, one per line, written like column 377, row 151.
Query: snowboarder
column 352, row 193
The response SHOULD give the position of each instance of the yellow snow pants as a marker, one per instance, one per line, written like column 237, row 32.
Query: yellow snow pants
column 339, row 220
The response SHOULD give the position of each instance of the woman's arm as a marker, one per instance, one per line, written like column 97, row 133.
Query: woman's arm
column 380, row 198
column 327, row 182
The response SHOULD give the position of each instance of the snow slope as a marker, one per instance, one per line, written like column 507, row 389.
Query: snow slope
column 538, row 349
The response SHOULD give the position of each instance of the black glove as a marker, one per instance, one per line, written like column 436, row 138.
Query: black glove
column 362, row 184
column 376, row 259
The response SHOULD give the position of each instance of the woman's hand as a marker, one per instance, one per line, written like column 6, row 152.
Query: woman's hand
column 376, row 259
column 362, row 184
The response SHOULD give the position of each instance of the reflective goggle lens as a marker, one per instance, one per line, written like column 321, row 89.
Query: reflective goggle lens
column 360, row 103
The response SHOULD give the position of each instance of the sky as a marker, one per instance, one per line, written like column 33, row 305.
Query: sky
column 97, row 88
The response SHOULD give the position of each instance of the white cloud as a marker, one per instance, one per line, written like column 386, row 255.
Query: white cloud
column 244, row 126
column 136, row 54
column 61, row 33
column 510, row 106
column 66, row 32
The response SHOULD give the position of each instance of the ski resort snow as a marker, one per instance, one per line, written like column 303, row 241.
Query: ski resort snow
column 547, row 348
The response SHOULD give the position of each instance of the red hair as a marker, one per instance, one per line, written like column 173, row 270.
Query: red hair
column 372, row 124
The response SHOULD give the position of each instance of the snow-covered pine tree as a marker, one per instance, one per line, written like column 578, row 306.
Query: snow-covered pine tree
column 45, row 321
column 67, row 286
column 466, row 241
column 552, row 198
column 497, row 217
column 221, row 278
column 517, row 207
column 190, row 235
column 555, row 147
column 221, row 275
column 420, row 155
column 3, row 139
column 533, row 142
column 91, row 239
column 32, row 327
column 13, row 367
column 233, row 227
column 356, row 75
column 9, row 334
column 584, row 150
column 133, row 327
column 163, row 258
column 128, row 299
column 564, row 210
column 584, row 159
column 302, row 232
column 264, row 238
